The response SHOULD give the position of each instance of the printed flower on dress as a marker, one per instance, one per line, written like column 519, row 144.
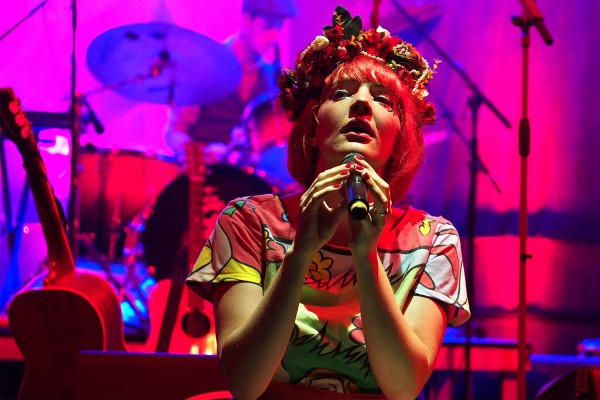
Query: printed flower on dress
column 319, row 269
column 358, row 334
column 425, row 227
column 270, row 243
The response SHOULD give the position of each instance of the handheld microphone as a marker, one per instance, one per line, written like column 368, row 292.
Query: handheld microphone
column 356, row 192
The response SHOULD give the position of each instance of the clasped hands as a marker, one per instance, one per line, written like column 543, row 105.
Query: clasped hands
column 323, row 209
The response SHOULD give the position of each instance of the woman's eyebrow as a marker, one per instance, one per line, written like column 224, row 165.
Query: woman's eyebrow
column 346, row 81
column 381, row 87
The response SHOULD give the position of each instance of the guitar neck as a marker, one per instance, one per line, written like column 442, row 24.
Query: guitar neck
column 60, row 257
column 17, row 128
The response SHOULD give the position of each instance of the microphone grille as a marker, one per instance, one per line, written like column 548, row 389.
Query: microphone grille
column 350, row 157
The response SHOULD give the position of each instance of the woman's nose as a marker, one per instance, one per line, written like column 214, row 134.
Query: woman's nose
column 361, row 104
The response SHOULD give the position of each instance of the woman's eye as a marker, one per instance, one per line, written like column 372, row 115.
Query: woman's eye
column 386, row 102
column 383, row 100
column 339, row 94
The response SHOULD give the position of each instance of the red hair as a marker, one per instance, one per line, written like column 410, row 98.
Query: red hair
column 408, row 151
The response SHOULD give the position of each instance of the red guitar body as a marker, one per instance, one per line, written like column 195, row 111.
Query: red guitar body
column 71, row 311
column 193, row 314
column 51, row 325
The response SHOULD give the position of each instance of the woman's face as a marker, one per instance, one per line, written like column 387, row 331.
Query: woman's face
column 356, row 117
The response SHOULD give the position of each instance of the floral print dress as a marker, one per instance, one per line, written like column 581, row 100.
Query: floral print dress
column 419, row 252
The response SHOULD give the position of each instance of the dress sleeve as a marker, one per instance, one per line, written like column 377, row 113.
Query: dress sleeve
column 443, row 278
column 233, row 252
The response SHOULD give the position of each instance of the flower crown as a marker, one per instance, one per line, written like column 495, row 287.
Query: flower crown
column 343, row 41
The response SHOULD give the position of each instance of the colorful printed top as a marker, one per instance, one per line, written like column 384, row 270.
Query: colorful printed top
column 327, row 347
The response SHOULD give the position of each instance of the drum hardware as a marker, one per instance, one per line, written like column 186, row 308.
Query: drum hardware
column 117, row 189
column 86, row 240
column 132, row 256
column 115, row 226
column 116, row 186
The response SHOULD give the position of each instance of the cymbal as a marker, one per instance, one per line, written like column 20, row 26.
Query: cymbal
column 164, row 64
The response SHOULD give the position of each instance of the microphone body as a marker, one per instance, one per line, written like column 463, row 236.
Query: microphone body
column 356, row 192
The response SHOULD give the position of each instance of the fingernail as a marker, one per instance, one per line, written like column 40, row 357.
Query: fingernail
column 359, row 157
column 348, row 165
column 337, row 185
column 366, row 176
column 344, row 173
column 359, row 167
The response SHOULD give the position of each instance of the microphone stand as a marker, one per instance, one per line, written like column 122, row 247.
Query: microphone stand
column 531, row 17
column 475, row 101
column 75, row 113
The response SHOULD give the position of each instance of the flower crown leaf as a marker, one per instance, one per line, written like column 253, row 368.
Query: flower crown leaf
column 343, row 41
column 351, row 26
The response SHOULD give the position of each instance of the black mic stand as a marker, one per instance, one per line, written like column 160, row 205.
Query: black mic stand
column 531, row 17
column 475, row 101
column 75, row 114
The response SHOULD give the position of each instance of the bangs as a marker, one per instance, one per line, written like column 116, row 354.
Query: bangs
column 365, row 69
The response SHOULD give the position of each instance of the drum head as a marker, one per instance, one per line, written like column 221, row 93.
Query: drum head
column 162, row 238
column 115, row 186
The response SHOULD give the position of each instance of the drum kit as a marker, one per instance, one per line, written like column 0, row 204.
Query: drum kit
column 163, row 64
column 132, row 208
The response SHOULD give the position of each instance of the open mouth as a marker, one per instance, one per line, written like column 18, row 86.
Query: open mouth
column 358, row 128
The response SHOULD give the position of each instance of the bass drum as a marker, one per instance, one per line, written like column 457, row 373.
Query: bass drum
column 115, row 186
column 163, row 234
